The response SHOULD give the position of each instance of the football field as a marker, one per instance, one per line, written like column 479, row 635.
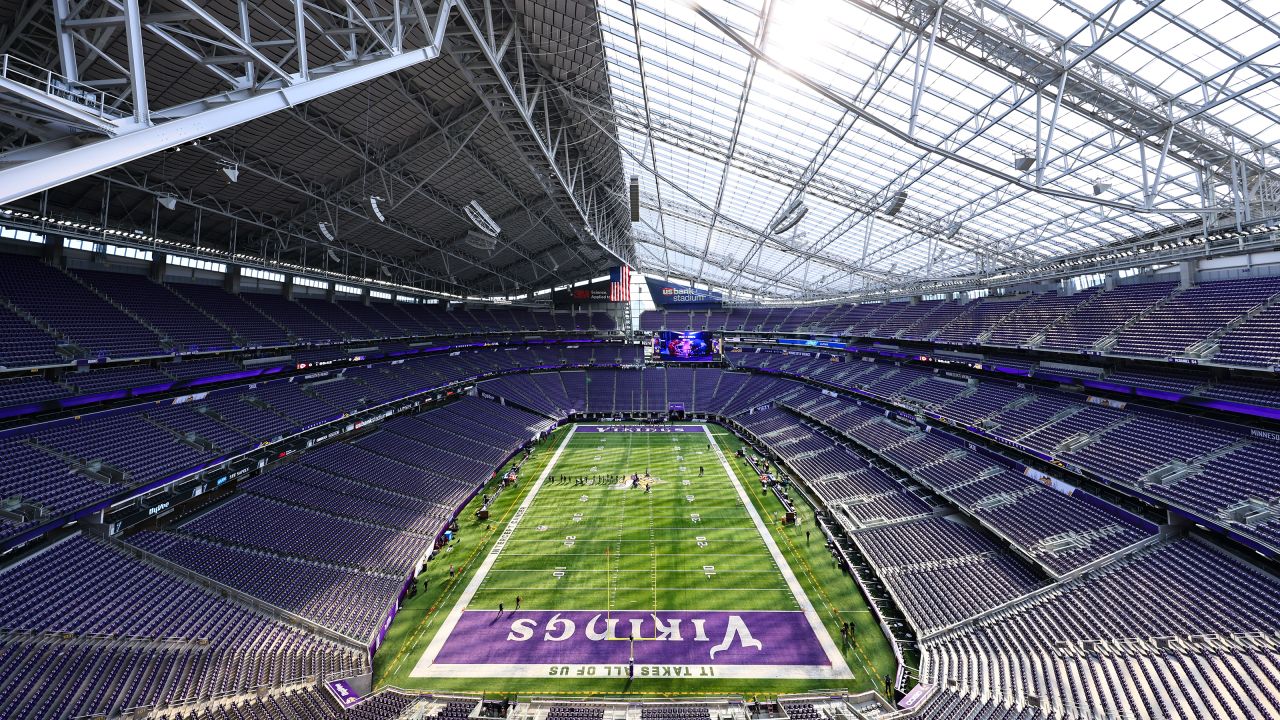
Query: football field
column 677, row 541
column 640, row 559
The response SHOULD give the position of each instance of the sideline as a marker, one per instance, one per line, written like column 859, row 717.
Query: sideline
column 839, row 668
column 451, row 621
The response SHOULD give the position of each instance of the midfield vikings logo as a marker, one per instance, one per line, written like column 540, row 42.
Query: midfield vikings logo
column 709, row 637
column 561, row 629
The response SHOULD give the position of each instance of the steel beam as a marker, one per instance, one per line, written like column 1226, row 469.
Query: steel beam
column 644, row 93
column 268, row 227
column 41, row 166
column 62, row 164
column 762, row 34
column 519, row 111
column 358, row 210
column 892, row 129
column 137, row 66
column 998, row 36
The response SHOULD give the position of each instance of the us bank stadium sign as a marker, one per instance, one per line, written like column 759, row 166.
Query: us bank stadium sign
column 665, row 293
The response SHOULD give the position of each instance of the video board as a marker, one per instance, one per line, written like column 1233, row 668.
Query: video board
column 702, row 346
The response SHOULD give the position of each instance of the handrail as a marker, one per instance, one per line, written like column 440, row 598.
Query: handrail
column 178, row 706
column 241, row 596
column 97, row 101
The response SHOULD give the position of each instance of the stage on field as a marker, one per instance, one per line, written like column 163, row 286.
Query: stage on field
column 636, row 551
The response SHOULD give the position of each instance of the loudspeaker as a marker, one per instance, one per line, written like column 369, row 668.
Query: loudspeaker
column 635, row 198
column 899, row 199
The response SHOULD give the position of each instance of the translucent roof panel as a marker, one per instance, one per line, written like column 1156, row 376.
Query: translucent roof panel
column 1016, row 132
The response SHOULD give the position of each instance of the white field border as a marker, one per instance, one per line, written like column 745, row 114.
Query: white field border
column 426, row 666
column 451, row 621
column 839, row 668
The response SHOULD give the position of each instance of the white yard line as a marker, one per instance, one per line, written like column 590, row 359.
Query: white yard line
column 838, row 665
column 450, row 622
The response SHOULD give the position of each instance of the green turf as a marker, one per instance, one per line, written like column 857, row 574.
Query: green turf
column 629, row 550
column 614, row 547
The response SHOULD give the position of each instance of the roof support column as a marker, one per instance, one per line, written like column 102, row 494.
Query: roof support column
column 921, row 74
column 1187, row 270
column 66, row 42
column 137, row 62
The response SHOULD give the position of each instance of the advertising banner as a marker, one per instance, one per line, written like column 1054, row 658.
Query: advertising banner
column 668, row 294
column 343, row 693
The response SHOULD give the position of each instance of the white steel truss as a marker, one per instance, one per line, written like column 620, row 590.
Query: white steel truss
column 1018, row 135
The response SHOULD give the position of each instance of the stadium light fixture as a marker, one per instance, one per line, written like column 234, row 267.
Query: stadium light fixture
column 168, row 202
column 790, row 217
column 481, row 219
column 232, row 171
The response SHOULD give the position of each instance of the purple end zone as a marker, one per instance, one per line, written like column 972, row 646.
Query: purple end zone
column 577, row 637
column 638, row 429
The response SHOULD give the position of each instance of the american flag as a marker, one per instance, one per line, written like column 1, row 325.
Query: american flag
column 620, row 284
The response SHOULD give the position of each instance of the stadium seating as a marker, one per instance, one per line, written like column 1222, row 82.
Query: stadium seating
column 117, row 378
column 306, row 702
column 180, row 325
column 1145, row 450
column 333, row 539
column 1038, row 314
column 113, row 315
column 74, row 312
column 1182, row 383
column 247, row 323
column 1193, row 316
column 942, row 571
column 22, row 342
column 1253, row 342
column 360, row 513
column 1228, row 321
column 91, row 629
column 1089, row 325
column 30, row 389
column 66, row 465
column 339, row 378
column 973, row 326
column 947, row 705
column 313, row 703
column 1045, row 524
column 49, row 316
column 865, row 494
column 1244, row 391
column 1192, row 646
column 351, row 602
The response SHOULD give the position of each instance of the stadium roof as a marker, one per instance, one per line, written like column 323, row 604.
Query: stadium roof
column 797, row 149
column 1019, row 131
column 425, row 115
